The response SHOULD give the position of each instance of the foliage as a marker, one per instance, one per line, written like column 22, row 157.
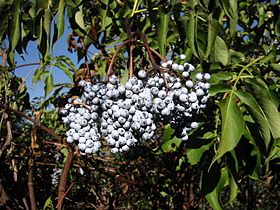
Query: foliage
column 235, row 145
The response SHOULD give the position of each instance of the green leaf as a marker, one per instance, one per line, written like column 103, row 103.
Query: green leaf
column 5, row 14
column 172, row 145
column 48, row 204
column 49, row 85
column 232, row 126
column 218, row 88
column 168, row 133
column 79, row 18
column 65, row 69
column 190, row 28
column 194, row 155
column 212, row 33
column 275, row 66
column 233, row 189
column 163, row 30
column 125, row 76
column 39, row 74
column 214, row 197
column 44, row 41
column 221, row 51
column 135, row 7
column 60, row 18
column 256, row 113
column 67, row 61
column 14, row 29
column 261, row 93
column 105, row 20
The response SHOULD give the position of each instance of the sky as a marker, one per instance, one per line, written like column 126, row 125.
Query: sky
column 60, row 48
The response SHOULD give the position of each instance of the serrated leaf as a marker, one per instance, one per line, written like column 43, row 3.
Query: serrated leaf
column 163, row 30
column 190, row 28
column 212, row 34
column 14, row 29
column 233, row 126
column 221, row 51
column 256, row 113
column 261, row 93
column 49, row 85
column 47, row 28
column 60, row 18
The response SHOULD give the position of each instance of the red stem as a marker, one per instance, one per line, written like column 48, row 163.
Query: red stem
column 47, row 130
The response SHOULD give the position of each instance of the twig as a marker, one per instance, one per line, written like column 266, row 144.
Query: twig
column 30, row 186
column 9, row 136
column 63, row 179
column 115, row 55
column 131, row 60
column 61, row 200
column 24, row 65
column 146, row 45
column 38, row 124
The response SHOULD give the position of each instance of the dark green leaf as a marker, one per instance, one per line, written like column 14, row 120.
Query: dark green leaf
column 163, row 30
column 218, row 88
column 49, row 85
column 14, row 29
column 47, row 29
column 67, row 61
column 60, row 18
column 190, row 27
column 257, row 114
column 214, row 197
column 232, row 125
column 212, row 33
column 261, row 93
column 221, row 51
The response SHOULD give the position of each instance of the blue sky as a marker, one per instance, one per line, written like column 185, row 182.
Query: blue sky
column 60, row 48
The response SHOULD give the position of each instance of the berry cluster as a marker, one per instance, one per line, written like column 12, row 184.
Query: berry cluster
column 127, row 114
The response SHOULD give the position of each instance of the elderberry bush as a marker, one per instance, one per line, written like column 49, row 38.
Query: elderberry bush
column 120, row 116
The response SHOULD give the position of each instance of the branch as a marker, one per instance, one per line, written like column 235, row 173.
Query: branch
column 63, row 179
column 64, row 195
column 146, row 45
column 131, row 61
column 30, row 186
column 9, row 136
column 38, row 124
column 115, row 55
column 24, row 65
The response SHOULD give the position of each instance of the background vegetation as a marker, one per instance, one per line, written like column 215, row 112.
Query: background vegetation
column 231, row 161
